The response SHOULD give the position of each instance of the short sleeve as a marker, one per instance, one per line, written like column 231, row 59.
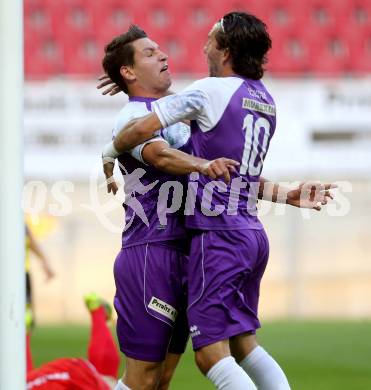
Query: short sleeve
column 204, row 101
column 127, row 114
column 188, row 104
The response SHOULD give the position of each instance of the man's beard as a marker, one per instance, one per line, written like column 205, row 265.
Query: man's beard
column 213, row 70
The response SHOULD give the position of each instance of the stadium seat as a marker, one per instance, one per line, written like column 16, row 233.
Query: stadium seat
column 329, row 54
column 289, row 55
column 355, row 14
column 83, row 56
column 360, row 52
column 195, row 60
column 112, row 18
column 223, row 7
column 159, row 17
column 43, row 58
column 194, row 16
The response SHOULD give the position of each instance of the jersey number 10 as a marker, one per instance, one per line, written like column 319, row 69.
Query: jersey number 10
column 253, row 151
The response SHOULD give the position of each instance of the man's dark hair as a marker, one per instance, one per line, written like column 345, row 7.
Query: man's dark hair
column 247, row 39
column 120, row 52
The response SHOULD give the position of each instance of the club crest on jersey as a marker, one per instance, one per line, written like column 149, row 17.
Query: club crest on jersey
column 163, row 308
column 253, row 105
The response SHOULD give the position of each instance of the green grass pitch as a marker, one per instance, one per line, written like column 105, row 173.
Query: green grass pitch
column 315, row 355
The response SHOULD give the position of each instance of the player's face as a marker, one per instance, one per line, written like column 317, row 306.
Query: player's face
column 213, row 55
column 150, row 66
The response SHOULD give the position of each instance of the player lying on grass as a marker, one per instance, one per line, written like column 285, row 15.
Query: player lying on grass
column 99, row 371
column 220, row 109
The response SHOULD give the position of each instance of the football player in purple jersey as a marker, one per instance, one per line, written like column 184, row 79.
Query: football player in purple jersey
column 231, row 114
column 149, row 270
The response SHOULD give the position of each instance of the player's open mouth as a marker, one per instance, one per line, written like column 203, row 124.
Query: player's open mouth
column 164, row 68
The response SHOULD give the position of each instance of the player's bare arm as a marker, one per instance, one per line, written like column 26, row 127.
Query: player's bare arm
column 108, row 167
column 36, row 249
column 136, row 132
column 311, row 195
column 173, row 161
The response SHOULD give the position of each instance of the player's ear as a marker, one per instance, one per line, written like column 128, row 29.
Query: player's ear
column 127, row 73
column 226, row 56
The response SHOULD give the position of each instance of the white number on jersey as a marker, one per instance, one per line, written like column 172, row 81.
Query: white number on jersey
column 253, row 153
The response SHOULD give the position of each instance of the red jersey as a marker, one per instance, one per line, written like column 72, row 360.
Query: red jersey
column 66, row 374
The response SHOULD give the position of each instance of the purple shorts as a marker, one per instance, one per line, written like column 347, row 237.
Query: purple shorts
column 225, row 269
column 150, row 301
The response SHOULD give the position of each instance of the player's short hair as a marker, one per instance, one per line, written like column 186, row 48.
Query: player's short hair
column 248, row 41
column 120, row 52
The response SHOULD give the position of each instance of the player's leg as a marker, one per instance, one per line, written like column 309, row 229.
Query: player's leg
column 102, row 350
column 29, row 321
column 216, row 310
column 169, row 367
column 146, row 301
column 141, row 375
column 177, row 346
column 215, row 362
column 259, row 365
column 29, row 300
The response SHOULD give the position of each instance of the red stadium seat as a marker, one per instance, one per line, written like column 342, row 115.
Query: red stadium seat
column 282, row 17
column 289, row 55
column 112, row 18
column 223, row 7
column 195, row 16
column 43, row 58
column 360, row 52
column 158, row 18
column 354, row 14
column 329, row 54
column 83, row 56
column 195, row 61
column 72, row 17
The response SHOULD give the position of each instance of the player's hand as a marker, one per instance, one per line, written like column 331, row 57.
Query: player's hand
column 221, row 167
column 111, row 89
column 108, row 166
column 310, row 195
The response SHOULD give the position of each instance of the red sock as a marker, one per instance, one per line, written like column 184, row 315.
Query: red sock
column 29, row 362
column 102, row 351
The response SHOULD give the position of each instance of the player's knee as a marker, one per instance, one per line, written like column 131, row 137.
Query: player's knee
column 203, row 361
column 144, row 378
column 206, row 357
column 150, row 380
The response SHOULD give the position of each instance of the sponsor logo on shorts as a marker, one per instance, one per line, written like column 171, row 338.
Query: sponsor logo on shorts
column 163, row 308
column 194, row 331
column 251, row 104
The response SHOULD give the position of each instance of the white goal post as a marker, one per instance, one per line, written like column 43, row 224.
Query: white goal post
column 12, row 277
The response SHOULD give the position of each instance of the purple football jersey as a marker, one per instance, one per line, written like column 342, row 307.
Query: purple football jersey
column 143, row 183
column 230, row 117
